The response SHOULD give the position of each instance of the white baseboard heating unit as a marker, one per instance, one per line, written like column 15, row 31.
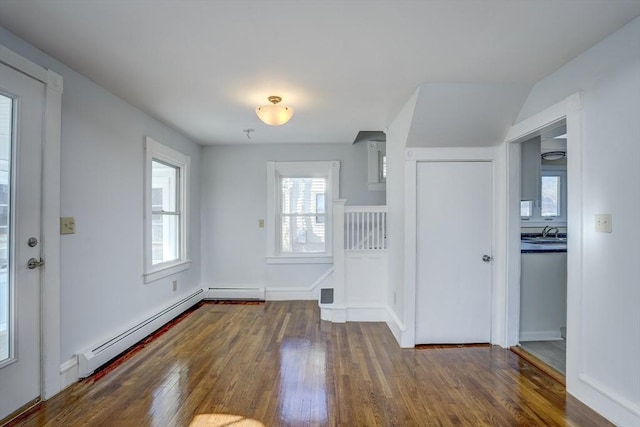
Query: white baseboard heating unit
column 97, row 355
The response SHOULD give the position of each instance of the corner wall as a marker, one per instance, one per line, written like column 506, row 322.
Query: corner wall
column 234, row 199
column 102, row 166
column 397, row 135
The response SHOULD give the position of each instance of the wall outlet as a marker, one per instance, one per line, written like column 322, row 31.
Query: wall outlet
column 175, row 285
column 603, row 223
column 261, row 223
column 67, row 225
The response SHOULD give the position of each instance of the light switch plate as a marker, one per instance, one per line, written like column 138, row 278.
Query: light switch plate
column 67, row 225
column 603, row 223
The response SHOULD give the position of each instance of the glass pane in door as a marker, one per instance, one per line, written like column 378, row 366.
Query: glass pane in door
column 6, row 133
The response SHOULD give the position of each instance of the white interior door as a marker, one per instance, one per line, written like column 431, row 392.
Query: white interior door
column 21, row 121
column 454, row 219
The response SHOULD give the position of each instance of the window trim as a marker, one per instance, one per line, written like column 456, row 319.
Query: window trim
column 276, row 170
column 157, row 151
column 536, row 220
column 376, row 150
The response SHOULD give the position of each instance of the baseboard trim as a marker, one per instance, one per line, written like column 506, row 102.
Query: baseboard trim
column 398, row 329
column 333, row 313
column 290, row 294
column 366, row 313
column 619, row 410
column 69, row 373
column 298, row 293
column 236, row 293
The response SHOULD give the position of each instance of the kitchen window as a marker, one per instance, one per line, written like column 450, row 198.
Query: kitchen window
column 552, row 207
column 299, row 206
column 165, row 224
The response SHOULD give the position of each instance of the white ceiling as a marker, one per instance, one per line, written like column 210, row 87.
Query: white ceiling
column 344, row 66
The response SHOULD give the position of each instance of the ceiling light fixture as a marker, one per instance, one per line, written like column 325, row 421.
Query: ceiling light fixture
column 554, row 155
column 274, row 114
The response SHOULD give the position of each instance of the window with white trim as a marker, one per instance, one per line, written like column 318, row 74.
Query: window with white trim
column 299, row 207
column 165, row 220
column 552, row 207
column 377, row 165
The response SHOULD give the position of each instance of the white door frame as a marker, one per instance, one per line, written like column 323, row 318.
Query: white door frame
column 458, row 154
column 571, row 110
column 50, row 238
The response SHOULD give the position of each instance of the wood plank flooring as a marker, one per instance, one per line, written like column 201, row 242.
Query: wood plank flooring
column 277, row 364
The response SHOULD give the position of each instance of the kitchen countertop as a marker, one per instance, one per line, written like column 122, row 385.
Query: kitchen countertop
column 537, row 244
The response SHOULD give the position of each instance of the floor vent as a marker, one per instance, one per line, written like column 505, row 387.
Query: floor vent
column 326, row 296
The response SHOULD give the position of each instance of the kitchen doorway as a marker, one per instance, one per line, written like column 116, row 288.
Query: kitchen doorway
column 543, row 239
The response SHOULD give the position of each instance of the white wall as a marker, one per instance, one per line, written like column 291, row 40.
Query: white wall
column 102, row 290
column 397, row 135
column 234, row 198
column 603, row 353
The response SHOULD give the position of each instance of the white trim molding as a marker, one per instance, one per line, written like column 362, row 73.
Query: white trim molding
column 580, row 383
column 50, row 276
column 330, row 170
column 155, row 151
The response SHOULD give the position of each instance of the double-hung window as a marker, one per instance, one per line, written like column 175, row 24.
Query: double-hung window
column 552, row 207
column 165, row 219
column 299, row 205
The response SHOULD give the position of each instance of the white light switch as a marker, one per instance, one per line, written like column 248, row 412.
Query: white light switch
column 603, row 223
column 261, row 223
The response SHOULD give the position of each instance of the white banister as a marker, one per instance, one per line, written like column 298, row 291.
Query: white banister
column 364, row 228
column 359, row 264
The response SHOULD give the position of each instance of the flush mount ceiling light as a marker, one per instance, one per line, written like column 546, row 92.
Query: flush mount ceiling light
column 554, row 155
column 274, row 114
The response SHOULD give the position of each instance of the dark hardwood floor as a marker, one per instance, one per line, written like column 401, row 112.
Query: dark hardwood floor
column 277, row 364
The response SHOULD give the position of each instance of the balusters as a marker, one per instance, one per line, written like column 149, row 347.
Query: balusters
column 365, row 229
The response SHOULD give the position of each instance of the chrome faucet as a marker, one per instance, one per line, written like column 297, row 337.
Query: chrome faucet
column 548, row 230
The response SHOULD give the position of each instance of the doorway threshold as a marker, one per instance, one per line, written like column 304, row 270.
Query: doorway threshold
column 554, row 374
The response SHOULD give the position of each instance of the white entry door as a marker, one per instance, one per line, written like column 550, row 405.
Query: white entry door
column 21, row 116
column 454, row 218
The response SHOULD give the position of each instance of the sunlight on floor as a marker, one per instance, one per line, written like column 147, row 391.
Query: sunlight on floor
column 223, row 420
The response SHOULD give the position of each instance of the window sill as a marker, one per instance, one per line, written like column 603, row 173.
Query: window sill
column 300, row 260
column 166, row 270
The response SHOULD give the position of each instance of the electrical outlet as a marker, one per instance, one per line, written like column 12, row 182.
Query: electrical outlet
column 175, row 285
column 67, row 225
column 603, row 223
column 261, row 223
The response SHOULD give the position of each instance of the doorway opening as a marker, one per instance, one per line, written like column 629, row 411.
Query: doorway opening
column 543, row 232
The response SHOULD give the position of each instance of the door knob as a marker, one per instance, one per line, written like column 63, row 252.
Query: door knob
column 34, row 263
column 486, row 258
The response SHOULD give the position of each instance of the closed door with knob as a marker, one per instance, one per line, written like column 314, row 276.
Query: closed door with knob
column 453, row 277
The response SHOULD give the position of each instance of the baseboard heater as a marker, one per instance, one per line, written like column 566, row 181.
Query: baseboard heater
column 236, row 294
column 97, row 355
